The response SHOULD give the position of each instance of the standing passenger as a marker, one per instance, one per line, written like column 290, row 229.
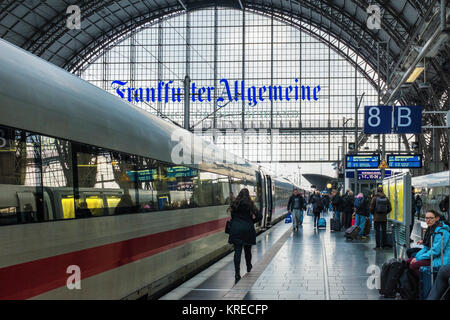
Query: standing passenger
column 326, row 202
column 362, row 213
column 295, row 207
column 348, row 204
column 317, row 205
column 336, row 201
column 380, row 206
column 419, row 204
column 244, row 215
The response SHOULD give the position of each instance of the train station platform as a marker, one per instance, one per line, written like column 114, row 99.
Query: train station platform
column 308, row 264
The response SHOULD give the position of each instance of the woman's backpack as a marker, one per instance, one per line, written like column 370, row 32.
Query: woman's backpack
column 382, row 205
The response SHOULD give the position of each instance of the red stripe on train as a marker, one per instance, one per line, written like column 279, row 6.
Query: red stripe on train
column 29, row 279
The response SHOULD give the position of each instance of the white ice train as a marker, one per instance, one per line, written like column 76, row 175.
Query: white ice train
column 88, row 187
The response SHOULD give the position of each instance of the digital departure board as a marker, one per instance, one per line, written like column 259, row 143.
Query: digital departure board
column 372, row 174
column 180, row 171
column 405, row 161
column 362, row 161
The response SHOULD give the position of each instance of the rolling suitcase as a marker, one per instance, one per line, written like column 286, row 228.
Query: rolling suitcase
column 352, row 232
column 322, row 223
column 428, row 274
column 335, row 224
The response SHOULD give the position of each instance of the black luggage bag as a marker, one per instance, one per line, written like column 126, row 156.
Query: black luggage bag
column 390, row 276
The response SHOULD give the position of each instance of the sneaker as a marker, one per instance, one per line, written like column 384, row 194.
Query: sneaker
column 249, row 268
column 236, row 279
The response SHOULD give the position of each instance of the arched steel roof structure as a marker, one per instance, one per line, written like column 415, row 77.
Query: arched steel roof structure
column 39, row 26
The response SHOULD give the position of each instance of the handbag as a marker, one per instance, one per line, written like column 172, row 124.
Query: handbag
column 288, row 218
column 228, row 227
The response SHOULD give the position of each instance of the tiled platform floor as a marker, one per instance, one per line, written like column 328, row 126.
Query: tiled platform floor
column 311, row 264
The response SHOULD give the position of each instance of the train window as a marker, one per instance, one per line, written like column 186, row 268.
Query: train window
column 20, row 174
column 99, row 170
column 57, row 176
column 8, row 216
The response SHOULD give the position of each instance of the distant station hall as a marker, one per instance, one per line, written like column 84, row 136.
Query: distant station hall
column 230, row 150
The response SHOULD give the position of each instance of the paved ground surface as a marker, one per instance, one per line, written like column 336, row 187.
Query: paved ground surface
column 308, row 264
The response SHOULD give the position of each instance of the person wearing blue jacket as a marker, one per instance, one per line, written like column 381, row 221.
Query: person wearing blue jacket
column 438, row 230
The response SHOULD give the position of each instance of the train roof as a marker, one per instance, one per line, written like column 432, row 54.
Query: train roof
column 40, row 97
column 439, row 179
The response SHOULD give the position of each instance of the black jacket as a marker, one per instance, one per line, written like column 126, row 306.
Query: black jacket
column 337, row 203
column 364, row 208
column 326, row 201
column 242, row 231
column 291, row 202
column 317, row 203
column 348, row 203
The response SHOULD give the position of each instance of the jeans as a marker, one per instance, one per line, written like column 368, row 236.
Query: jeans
column 297, row 217
column 380, row 233
column 237, row 257
column 316, row 218
column 418, row 212
column 338, row 215
column 440, row 284
column 360, row 221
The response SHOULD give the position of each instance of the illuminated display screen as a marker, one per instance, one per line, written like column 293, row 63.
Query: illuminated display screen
column 370, row 161
column 372, row 174
column 402, row 161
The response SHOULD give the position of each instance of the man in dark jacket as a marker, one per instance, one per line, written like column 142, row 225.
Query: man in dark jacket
column 326, row 202
column 317, row 205
column 348, row 207
column 337, row 203
column 296, row 205
column 380, row 207
column 444, row 207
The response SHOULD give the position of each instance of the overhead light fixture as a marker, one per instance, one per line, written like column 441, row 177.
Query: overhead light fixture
column 416, row 73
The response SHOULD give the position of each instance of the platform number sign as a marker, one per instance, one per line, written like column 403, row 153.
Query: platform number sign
column 388, row 119
column 377, row 119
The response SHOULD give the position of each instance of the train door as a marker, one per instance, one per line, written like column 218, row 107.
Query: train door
column 269, row 200
column 261, row 194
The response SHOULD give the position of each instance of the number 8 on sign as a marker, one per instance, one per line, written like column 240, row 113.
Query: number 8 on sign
column 377, row 119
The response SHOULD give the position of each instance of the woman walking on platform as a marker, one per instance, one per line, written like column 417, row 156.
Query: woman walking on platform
column 244, row 215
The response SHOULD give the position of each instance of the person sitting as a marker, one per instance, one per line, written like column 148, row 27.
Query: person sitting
column 125, row 205
column 83, row 211
column 439, row 231
column 441, row 285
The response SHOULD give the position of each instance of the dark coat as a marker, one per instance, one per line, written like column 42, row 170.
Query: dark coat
column 242, row 231
column 326, row 201
column 347, row 203
column 363, row 209
column 302, row 202
column 379, row 217
column 315, row 200
column 337, row 203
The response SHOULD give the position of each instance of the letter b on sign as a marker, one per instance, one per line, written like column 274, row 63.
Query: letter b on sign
column 408, row 119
